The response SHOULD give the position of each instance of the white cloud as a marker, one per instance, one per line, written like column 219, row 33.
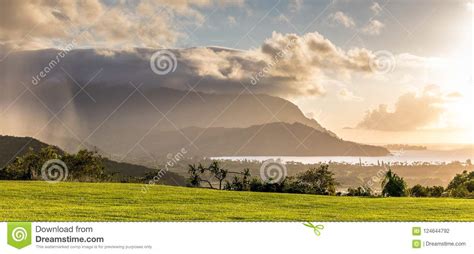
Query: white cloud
column 412, row 111
column 231, row 20
column 295, row 5
column 287, row 64
column 374, row 27
column 282, row 18
column 147, row 23
column 292, row 65
column 347, row 95
column 342, row 18
column 376, row 8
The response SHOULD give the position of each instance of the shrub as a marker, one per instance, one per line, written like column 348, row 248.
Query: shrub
column 418, row 191
column 361, row 191
column 83, row 166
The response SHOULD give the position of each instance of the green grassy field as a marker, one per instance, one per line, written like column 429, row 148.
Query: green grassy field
column 41, row 201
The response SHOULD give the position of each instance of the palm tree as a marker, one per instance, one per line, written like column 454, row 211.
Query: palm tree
column 218, row 172
column 393, row 185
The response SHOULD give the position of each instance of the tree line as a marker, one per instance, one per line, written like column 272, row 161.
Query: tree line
column 85, row 166
column 88, row 166
column 321, row 181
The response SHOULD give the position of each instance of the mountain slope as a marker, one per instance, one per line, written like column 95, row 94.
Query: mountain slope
column 12, row 147
column 88, row 88
column 274, row 139
column 118, row 104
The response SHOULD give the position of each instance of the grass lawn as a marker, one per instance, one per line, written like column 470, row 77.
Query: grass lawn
column 41, row 201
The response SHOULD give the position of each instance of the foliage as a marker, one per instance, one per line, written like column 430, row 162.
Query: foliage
column 83, row 166
column 393, row 185
column 319, row 180
column 259, row 186
column 219, row 173
column 239, row 183
column 421, row 191
column 418, row 191
column 198, row 174
column 436, row 191
column 462, row 185
column 361, row 191
column 293, row 185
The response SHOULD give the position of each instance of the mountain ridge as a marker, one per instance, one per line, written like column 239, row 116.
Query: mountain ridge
column 116, row 103
column 273, row 139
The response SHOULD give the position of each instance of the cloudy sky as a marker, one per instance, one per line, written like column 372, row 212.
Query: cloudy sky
column 371, row 71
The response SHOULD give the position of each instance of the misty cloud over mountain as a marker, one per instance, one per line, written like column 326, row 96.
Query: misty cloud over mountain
column 112, row 99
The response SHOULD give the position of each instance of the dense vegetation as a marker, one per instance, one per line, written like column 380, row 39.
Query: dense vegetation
column 321, row 181
column 314, row 181
column 349, row 175
column 462, row 185
column 83, row 166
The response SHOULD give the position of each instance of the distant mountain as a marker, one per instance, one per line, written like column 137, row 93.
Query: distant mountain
column 96, row 102
column 99, row 85
column 116, row 103
column 12, row 147
column 274, row 139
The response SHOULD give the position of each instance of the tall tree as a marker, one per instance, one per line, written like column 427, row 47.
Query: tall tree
column 393, row 185
column 219, row 173
column 319, row 180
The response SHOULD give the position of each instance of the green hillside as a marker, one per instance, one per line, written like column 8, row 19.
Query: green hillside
column 41, row 201
column 12, row 147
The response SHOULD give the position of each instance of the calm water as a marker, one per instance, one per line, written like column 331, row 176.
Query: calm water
column 432, row 156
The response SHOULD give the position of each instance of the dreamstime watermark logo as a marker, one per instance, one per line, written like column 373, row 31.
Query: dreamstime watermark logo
column 383, row 62
column 377, row 177
column 163, row 62
column 273, row 171
column 54, row 171
column 172, row 161
column 19, row 234
column 53, row 63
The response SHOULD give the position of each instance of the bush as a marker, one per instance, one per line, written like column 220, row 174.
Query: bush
column 436, row 191
column 361, row 191
column 418, row 191
column 239, row 183
column 292, row 185
column 83, row 166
